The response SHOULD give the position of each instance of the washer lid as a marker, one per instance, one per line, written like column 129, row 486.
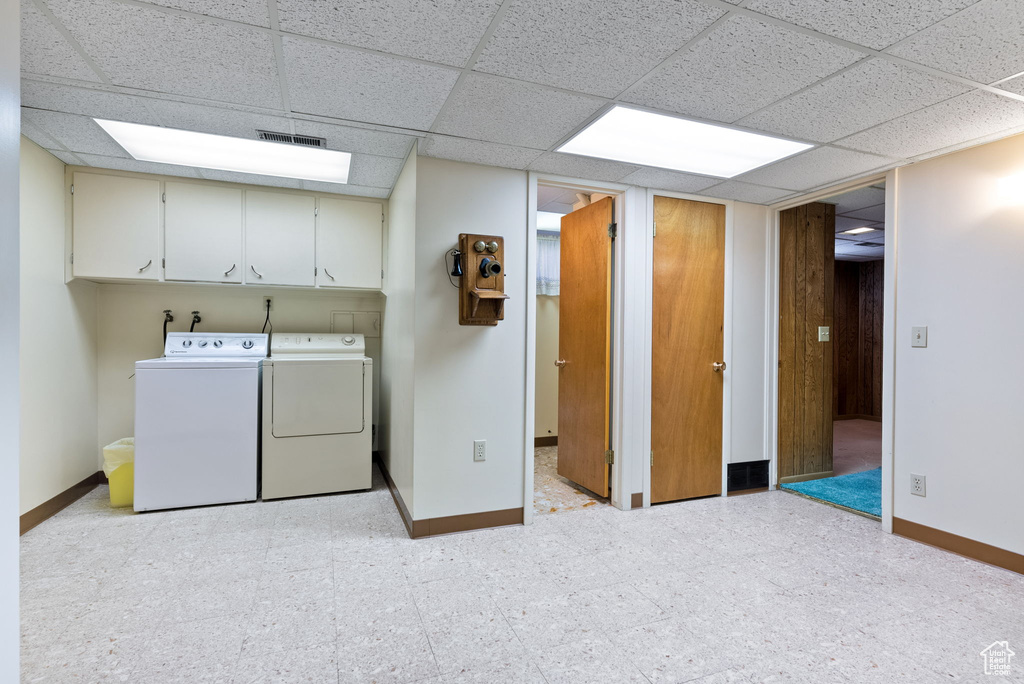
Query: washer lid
column 197, row 362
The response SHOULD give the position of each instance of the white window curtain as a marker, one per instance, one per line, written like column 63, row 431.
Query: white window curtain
column 548, row 260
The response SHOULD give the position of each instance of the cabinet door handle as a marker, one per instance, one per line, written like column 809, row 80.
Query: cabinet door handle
column 328, row 274
column 227, row 272
column 258, row 274
column 148, row 264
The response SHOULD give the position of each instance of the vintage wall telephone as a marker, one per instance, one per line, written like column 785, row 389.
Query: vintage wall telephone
column 480, row 261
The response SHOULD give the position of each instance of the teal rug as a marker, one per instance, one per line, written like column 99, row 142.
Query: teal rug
column 859, row 491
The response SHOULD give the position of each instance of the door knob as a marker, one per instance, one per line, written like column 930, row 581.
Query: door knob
column 560, row 363
column 718, row 366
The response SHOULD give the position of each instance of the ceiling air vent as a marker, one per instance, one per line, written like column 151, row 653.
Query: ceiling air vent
column 303, row 140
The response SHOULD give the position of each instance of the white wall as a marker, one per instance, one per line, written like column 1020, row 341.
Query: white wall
column 10, row 127
column 58, row 342
column 130, row 328
column 470, row 380
column 746, row 371
column 546, row 415
column 957, row 406
column 398, row 371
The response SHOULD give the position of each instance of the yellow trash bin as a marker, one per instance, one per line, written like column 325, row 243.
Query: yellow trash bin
column 119, row 467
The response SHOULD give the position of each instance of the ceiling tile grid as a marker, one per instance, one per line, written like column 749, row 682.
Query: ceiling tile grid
column 941, row 126
column 662, row 179
column 346, row 189
column 378, row 172
column 45, row 51
column 477, row 151
column 355, row 139
column 747, row 192
column 121, row 164
column 875, row 24
column 35, row 134
column 513, row 112
column 857, row 199
column 575, row 166
column 864, row 95
column 984, row 42
column 442, row 31
column 87, row 102
column 244, row 11
column 815, row 168
column 69, row 158
column 326, row 80
column 738, row 68
column 76, row 133
column 149, row 49
column 598, row 47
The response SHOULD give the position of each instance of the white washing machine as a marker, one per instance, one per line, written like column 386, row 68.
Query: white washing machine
column 317, row 415
column 197, row 421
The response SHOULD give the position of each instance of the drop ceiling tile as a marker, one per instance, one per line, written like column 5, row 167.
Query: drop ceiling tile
column 738, row 68
column 874, row 23
column 377, row 172
column 85, row 101
column 33, row 133
column 984, row 42
column 76, row 133
column 250, row 178
column 351, row 84
column 873, row 214
column 346, row 189
column 857, row 199
column 120, row 164
column 591, row 46
column 585, row 168
column 444, row 31
column 843, row 224
column 815, row 168
column 663, row 179
column 513, row 113
column 217, row 120
column 45, row 51
column 477, row 152
column 69, row 158
column 863, row 96
column 244, row 11
column 954, row 122
column 354, row 139
column 1015, row 85
column 145, row 48
column 746, row 192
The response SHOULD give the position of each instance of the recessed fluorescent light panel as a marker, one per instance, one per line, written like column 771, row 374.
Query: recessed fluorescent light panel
column 207, row 151
column 639, row 137
column 858, row 231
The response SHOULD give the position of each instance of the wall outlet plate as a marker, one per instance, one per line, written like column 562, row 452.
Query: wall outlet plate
column 917, row 485
column 919, row 336
column 479, row 449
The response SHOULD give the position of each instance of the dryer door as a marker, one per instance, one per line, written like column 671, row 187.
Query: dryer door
column 321, row 397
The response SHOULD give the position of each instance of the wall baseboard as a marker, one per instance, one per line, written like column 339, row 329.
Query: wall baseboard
column 545, row 441
column 52, row 507
column 432, row 527
column 858, row 416
column 804, row 478
column 962, row 546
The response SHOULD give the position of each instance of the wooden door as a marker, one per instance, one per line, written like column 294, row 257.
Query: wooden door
column 584, row 343
column 688, row 318
column 280, row 232
column 203, row 233
column 806, row 291
column 348, row 243
column 115, row 227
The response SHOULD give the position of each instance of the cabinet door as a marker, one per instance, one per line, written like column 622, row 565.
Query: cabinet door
column 348, row 243
column 279, row 238
column 203, row 233
column 115, row 227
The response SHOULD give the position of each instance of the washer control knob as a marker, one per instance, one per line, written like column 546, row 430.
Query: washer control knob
column 218, row 344
column 348, row 340
column 203, row 343
column 186, row 343
column 247, row 344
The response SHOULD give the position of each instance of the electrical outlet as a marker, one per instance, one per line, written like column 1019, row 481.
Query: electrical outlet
column 268, row 299
column 480, row 450
column 917, row 484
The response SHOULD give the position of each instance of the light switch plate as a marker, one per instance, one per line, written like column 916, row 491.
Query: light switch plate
column 919, row 336
column 824, row 333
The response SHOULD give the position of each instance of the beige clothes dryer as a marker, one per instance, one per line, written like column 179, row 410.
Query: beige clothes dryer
column 317, row 409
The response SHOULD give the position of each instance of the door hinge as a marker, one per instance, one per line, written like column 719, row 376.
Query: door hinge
column 382, row 218
column 655, row 229
column 316, row 211
column 72, row 188
column 163, row 263
column 652, row 459
column 72, row 257
column 609, row 457
column 163, row 197
column 315, row 269
column 613, row 230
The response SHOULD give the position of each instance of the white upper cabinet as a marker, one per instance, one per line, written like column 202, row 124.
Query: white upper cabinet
column 203, row 233
column 348, row 243
column 115, row 227
column 280, row 238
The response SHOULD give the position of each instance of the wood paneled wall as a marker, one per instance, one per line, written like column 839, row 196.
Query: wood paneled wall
column 857, row 339
column 806, row 283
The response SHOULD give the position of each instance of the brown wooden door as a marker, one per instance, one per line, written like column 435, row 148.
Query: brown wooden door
column 688, row 317
column 584, row 343
column 806, row 301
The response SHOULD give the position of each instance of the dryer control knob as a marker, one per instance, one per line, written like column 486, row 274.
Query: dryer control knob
column 186, row 343
column 218, row 344
column 349, row 340
column 203, row 343
column 247, row 344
